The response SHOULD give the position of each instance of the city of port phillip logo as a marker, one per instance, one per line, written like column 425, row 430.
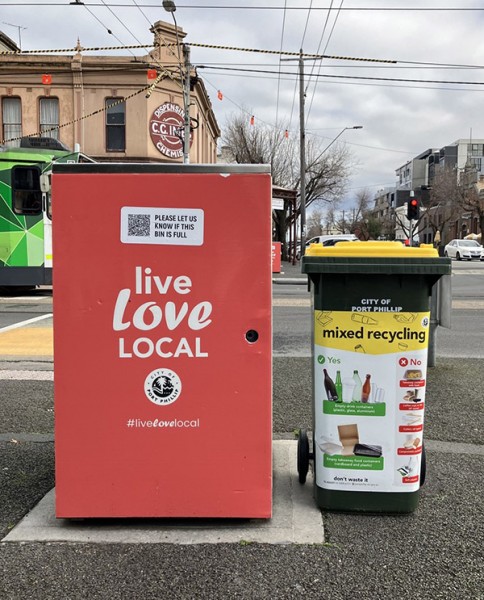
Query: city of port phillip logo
column 162, row 387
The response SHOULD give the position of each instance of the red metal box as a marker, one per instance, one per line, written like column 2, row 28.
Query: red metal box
column 162, row 340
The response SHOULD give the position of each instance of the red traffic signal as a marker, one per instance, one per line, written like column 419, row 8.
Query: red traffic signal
column 413, row 209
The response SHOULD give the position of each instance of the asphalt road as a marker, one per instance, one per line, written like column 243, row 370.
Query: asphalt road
column 434, row 553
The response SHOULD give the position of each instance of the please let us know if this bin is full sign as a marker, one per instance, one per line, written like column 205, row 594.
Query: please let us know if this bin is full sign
column 162, row 341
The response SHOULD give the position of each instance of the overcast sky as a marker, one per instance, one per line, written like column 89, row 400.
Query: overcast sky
column 400, row 118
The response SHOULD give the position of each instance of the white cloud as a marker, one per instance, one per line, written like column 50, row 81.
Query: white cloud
column 397, row 116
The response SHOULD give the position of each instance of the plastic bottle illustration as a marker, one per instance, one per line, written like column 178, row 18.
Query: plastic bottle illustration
column 329, row 386
column 359, row 318
column 356, row 397
column 339, row 386
column 366, row 389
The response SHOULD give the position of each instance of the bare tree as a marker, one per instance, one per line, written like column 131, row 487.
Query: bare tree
column 314, row 223
column 330, row 221
column 445, row 198
column 471, row 199
column 388, row 226
column 250, row 144
column 326, row 172
column 356, row 219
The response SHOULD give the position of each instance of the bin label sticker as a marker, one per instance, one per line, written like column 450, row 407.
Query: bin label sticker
column 163, row 226
column 369, row 393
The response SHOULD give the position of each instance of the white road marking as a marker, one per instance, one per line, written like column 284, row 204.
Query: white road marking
column 26, row 322
column 291, row 302
column 26, row 375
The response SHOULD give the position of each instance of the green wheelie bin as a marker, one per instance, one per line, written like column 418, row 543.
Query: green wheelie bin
column 371, row 319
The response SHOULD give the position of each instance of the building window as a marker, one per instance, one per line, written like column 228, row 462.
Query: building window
column 115, row 125
column 476, row 162
column 11, row 120
column 475, row 149
column 49, row 117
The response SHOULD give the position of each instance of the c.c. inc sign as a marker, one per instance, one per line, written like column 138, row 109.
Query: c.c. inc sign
column 167, row 129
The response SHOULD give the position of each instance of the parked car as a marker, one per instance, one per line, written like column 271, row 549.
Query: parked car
column 464, row 249
column 331, row 240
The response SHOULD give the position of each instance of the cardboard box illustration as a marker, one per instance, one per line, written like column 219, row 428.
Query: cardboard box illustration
column 348, row 435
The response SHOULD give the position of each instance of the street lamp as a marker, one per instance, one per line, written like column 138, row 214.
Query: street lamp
column 303, row 163
column 169, row 6
column 334, row 139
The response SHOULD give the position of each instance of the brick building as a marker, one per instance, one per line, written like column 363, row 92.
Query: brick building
column 104, row 104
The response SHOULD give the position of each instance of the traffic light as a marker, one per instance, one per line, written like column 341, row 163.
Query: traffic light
column 413, row 209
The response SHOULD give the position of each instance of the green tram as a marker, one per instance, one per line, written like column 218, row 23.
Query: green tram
column 26, row 211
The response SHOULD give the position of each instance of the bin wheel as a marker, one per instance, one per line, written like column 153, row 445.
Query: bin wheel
column 423, row 466
column 302, row 456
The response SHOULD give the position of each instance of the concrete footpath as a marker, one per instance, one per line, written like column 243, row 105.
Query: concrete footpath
column 295, row 519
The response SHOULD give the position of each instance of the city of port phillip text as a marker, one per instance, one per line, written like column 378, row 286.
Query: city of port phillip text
column 156, row 315
column 374, row 305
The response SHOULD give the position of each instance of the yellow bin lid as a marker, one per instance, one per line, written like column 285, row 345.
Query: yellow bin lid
column 372, row 249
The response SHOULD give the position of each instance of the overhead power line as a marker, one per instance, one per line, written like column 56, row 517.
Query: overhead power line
column 365, row 83
column 357, row 77
column 196, row 45
column 309, row 131
column 266, row 8
column 324, row 51
column 359, row 59
column 301, row 45
column 279, row 78
column 103, row 25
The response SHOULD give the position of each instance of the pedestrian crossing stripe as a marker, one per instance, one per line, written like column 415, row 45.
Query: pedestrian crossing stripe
column 27, row 341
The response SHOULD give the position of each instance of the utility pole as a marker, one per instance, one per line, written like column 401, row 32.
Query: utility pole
column 302, row 153
column 170, row 6
column 186, row 105
column 302, row 145
column 410, row 226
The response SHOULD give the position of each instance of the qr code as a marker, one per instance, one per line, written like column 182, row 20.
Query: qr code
column 139, row 225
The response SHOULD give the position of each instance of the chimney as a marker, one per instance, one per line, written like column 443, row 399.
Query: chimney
column 166, row 43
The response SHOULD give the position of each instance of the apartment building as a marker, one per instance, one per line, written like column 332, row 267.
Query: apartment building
column 463, row 158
